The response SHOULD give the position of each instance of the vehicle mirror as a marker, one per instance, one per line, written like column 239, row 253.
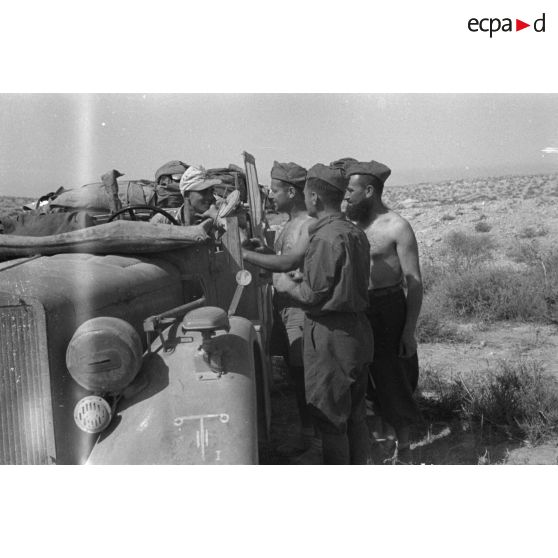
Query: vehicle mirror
column 243, row 278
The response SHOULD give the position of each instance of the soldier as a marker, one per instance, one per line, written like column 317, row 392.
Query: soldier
column 337, row 335
column 393, row 259
column 287, row 194
column 198, row 199
column 168, row 178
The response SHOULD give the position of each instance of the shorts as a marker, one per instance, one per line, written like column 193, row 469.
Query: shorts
column 337, row 351
column 287, row 332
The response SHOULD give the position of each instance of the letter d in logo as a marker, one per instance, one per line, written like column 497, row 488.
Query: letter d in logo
column 539, row 24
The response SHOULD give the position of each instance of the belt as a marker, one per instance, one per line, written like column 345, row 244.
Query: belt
column 332, row 315
column 383, row 291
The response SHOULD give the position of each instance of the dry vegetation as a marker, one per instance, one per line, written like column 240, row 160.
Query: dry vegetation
column 488, row 335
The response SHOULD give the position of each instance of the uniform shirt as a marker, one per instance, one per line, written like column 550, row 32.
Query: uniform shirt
column 336, row 267
column 176, row 212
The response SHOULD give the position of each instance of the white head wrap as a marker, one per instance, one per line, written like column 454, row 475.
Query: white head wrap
column 192, row 175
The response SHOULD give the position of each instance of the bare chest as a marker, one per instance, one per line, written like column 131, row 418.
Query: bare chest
column 381, row 242
column 289, row 236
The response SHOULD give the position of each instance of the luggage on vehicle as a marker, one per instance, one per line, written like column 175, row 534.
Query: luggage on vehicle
column 233, row 178
column 46, row 224
column 95, row 198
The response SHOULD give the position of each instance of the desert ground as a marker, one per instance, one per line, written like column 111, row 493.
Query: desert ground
column 488, row 332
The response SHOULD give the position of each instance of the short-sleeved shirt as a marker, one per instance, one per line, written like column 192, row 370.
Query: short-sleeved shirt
column 336, row 267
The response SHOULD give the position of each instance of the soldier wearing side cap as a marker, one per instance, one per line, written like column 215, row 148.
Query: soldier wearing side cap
column 287, row 194
column 168, row 178
column 342, row 163
column 198, row 199
column 337, row 336
column 393, row 314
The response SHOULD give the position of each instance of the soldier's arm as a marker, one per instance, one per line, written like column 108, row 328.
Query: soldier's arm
column 322, row 262
column 283, row 262
column 407, row 250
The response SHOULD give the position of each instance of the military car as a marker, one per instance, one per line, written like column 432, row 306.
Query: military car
column 134, row 343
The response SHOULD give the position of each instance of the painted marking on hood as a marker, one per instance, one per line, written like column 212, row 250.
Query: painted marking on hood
column 202, row 434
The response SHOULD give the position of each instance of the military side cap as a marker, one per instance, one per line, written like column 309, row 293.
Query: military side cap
column 172, row 167
column 332, row 178
column 342, row 163
column 373, row 168
column 291, row 173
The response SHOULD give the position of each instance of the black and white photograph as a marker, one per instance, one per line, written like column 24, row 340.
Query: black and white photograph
column 167, row 297
column 273, row 237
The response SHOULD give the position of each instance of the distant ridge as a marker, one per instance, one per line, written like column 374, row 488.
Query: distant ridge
column 467, row 190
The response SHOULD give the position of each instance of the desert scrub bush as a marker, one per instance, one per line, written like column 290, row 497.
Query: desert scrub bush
column 549, row 266
column 533, row 231
column 543, row 265
column 527, row 252
column 496, row 294
column 431, row 274
column 467, row 284
column 433, row 326
column 438, row 394
column 483, row 227
column 515, row 396
column 462, row 251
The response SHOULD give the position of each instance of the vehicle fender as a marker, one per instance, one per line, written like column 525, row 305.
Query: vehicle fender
column 187, row 413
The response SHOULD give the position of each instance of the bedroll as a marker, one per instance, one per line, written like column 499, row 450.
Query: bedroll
column 94, row 197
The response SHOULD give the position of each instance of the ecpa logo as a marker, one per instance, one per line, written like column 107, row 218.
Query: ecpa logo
column 494, row 24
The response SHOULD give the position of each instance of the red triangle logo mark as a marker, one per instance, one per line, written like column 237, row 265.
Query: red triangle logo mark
column 519, row 25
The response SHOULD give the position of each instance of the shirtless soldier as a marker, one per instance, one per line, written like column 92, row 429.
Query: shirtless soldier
column 393, row 260
column 287, row 186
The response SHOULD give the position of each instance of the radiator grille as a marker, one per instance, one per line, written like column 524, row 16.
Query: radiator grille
column 26, row 431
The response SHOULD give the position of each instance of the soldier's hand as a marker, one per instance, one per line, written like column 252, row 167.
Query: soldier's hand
column 250, row 244
column 257, row 245
column 211, row 213
column 283, row 283
column 407, row 344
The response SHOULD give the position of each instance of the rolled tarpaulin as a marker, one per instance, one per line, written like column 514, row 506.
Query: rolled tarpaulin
column 118, row 237
column 95, row 197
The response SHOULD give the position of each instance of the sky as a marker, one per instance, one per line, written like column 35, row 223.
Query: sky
column 52, row 140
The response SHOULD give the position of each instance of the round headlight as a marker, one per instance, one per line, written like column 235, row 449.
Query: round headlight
column 104, row 354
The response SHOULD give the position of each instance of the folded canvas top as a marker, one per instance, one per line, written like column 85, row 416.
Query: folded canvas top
column 118, row 237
